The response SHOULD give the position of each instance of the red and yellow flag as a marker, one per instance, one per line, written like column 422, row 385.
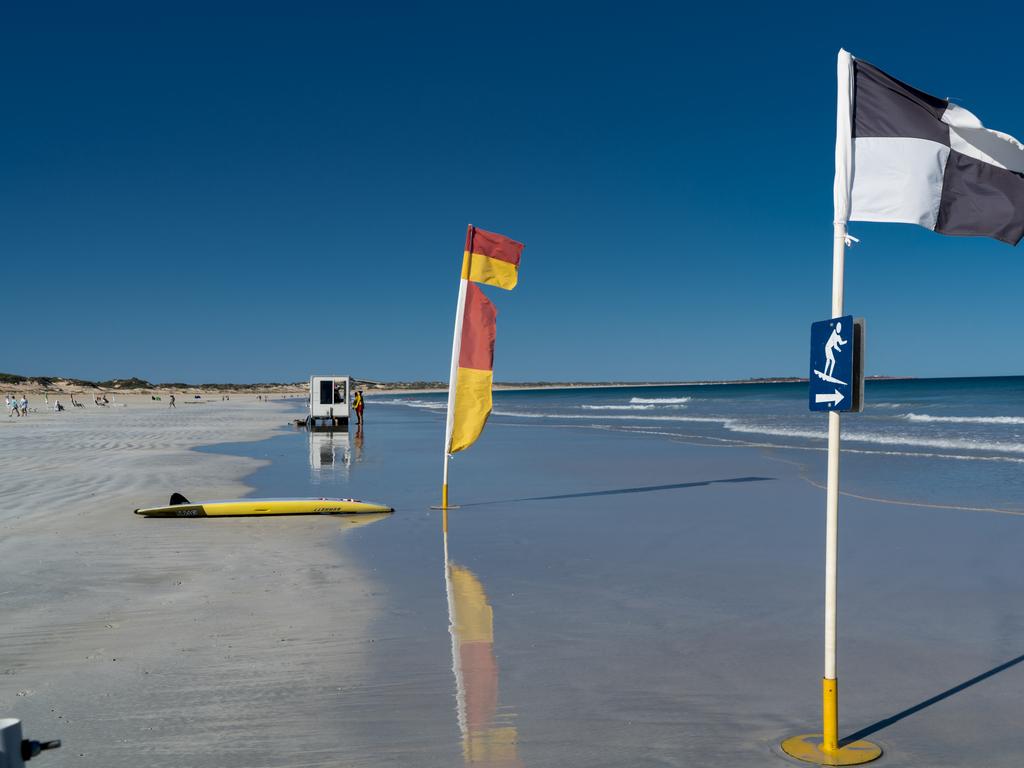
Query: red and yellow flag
column 491, row 259
column 475, row 375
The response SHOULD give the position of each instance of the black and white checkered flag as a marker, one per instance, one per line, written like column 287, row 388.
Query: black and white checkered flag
column 913, row 158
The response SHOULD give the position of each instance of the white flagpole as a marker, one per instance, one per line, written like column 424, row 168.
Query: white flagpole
column 460, row 310
column 841, row 201
column 830, row 709
column 823, row 748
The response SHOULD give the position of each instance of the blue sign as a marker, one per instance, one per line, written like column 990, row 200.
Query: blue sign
column 833, row 373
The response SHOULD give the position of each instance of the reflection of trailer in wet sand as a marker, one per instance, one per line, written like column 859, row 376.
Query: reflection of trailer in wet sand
column 329, row 451
column 328, row 402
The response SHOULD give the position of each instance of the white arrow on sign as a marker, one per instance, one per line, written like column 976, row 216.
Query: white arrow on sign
column 835, row 399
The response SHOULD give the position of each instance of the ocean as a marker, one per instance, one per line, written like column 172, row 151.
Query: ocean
column 955, row 442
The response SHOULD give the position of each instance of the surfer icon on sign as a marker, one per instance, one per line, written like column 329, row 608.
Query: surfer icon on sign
column 837, row 359
column 835, row 341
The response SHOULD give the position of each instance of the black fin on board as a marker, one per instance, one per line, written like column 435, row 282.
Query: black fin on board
column 177, row 498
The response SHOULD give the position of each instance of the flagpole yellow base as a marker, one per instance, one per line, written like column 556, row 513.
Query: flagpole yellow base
column 444, row 500
column 823, row 748
column 808, row 748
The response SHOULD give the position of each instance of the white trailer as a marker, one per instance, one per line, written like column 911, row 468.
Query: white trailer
column 328, row 401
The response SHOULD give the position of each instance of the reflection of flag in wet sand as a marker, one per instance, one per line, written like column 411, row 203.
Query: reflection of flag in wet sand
column 471, row 622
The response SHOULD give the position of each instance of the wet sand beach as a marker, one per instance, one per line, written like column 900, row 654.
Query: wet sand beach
column 142, row 643
column 610, row 599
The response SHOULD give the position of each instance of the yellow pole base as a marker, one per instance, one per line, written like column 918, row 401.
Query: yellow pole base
column 823, row 748
column 829, row 714
column 444, row 501
column 808, row 748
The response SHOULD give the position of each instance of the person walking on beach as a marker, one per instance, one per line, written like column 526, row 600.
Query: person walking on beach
column 172, row 405
column 357, row 405
column 24, row 405
column 11, row 405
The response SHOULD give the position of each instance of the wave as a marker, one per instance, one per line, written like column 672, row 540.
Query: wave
column 617, row 407
column 879, row 439
column 735, row 425
column 535, row 415
column 432, row 405
column 924, row 417
column 880, row 452
column 659, row 400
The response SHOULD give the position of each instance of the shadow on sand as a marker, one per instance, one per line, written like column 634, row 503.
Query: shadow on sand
column 863, row 733
column 617, row 491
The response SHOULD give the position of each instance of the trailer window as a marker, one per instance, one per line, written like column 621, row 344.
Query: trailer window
column 326, row 391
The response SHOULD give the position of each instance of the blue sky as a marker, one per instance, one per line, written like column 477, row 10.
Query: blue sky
column 252, row 192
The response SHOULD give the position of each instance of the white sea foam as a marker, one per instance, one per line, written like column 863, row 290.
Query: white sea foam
column 534, row 415
column 617, row 407
column 660, row 400
column 749, row 444
column 924, row 417
column 431, row 405
column 880, row 439
column 734, row 425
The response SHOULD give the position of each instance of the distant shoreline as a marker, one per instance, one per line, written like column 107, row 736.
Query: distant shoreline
column 11, row 383
column 542, row 386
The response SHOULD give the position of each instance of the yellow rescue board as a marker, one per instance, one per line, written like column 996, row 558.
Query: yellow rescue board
column 182, row 507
